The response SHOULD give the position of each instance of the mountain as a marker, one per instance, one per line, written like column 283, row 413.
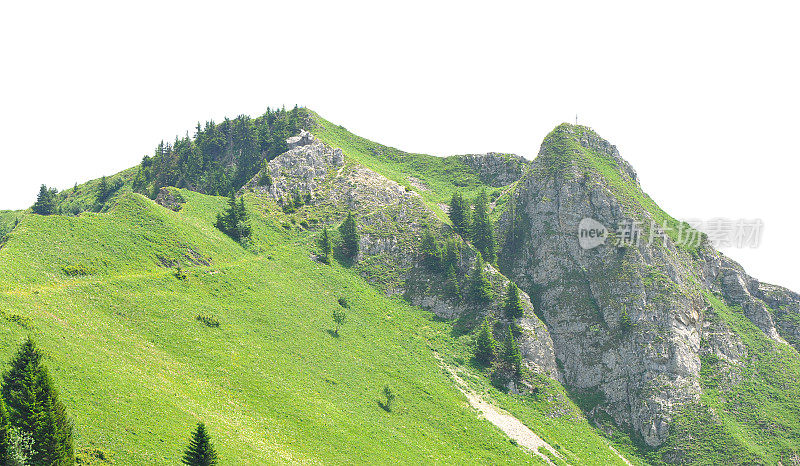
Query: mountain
column 631, row 352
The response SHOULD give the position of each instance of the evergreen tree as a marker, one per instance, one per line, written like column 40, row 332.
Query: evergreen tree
column 45, row 201
column 511, row 353
column 325, row 245
column 34, row 408
column 452, row 253
column 480, row 287
column 103, row 190
column 5, row 433
column 515, row 231
column 482, row 229
column 431, row 254
column 349, row 232
column 234, row 222
column 451, row 283
column 200, row 451
column 514, row 309
column 485, row 343
column 460, row 214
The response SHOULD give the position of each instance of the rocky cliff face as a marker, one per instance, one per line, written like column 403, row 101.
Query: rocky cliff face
column 626, row 317
column 391, row 222
column 496, row 169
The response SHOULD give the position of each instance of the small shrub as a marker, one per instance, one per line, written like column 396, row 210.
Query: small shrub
column 343, row 302
column 180, row 274
column 208, row 321
column 339, row 318
column 23, row 321
column 77, row 270
column 389, row 395
column 625, row 322
column 265, row 180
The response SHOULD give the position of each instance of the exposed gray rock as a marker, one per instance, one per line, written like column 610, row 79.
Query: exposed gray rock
column 625, row 321
column 302, row 139
column 496, row 169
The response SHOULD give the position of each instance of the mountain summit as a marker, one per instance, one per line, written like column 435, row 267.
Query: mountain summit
column 203, row 282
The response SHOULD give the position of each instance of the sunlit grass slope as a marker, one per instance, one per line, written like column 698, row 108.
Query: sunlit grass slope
column 137, row 370
column 439, row 176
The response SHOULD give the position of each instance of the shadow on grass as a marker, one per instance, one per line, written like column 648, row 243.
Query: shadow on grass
column 332, row 333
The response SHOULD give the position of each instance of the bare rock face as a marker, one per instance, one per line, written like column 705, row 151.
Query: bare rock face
column 302, row 139
column 170, row 198
column 496, row 169
column 626, row 320
column 391, row 223
column 629, row 320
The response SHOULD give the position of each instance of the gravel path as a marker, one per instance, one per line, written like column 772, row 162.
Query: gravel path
column 510, row 425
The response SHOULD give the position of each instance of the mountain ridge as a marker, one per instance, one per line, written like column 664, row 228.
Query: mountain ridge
column 643, row 337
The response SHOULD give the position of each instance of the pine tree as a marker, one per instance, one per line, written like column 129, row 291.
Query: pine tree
column 233, row 222
column 451, row 283
column 480, row 287
column 460, row 214
column 452, row 253
column 431, row 254
column 485, row 343
column 102, row 190
column 511, row 352
column 34, row 407
column 45, row 201
column 325, row 245
column 514, row 309
column 200, row 451
column 349, row 231
column 482, row 229
column 5, row 433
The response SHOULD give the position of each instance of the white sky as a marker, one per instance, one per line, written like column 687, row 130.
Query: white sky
column 702, row 98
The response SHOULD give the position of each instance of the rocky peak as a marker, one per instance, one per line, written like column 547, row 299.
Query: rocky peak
column 626, row 319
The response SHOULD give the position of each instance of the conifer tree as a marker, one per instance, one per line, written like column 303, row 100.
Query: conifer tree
column 482, row 229
column 485, row 343
column 480, row 287
column 34, row 408
column 45, row 201
column 511, row 352
column 5, row 433
column 349, row 231
column 102, row 190
column 452, row 253
column 460, row 214
column 431, row 254
column 233, row 222
column 514, row 309
column 200, row 451
column 451, row 283
column 325, row 245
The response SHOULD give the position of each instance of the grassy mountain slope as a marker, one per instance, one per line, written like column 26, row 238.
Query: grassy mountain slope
column 137, row 370
column 435, row 178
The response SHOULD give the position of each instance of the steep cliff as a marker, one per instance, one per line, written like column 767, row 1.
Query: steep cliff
column 629, row 313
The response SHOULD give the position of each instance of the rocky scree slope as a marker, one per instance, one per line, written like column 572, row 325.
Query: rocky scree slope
column 629, row 322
